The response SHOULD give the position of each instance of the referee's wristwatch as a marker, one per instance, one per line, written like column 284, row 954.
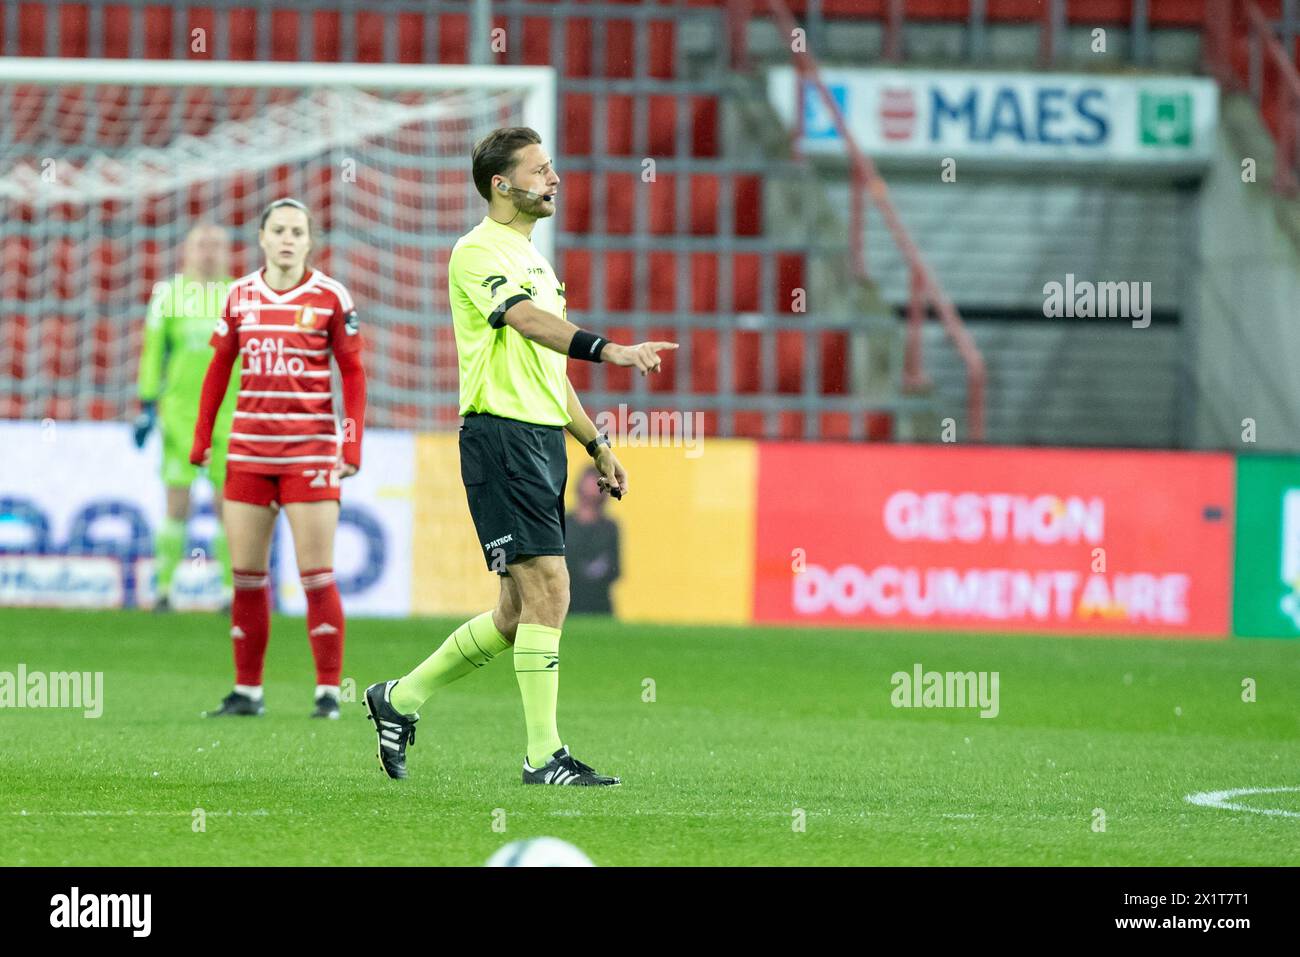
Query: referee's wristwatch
column 596, row 443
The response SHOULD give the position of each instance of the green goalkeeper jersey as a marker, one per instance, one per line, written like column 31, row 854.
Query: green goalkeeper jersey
column 182, row 314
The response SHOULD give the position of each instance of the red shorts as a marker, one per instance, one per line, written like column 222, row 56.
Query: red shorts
column 258, row 488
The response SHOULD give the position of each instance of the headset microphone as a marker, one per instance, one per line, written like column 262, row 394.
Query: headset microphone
column 506, row 188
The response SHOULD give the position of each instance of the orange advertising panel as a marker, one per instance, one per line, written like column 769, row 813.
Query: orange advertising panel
column 994, row 539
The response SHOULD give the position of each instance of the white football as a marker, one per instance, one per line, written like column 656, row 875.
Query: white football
column 539, row 852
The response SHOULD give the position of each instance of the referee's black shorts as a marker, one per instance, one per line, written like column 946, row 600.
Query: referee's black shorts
column 514, row 474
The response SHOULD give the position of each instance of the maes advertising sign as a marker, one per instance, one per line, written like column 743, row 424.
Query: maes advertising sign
column 1009, row 117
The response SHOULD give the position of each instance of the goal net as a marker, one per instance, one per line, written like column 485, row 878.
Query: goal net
column 105, row 166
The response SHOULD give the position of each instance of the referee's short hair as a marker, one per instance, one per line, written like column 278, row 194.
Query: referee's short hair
column 495, row 154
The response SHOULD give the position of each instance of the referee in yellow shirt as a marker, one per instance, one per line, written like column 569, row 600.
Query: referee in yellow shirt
column 514, row 343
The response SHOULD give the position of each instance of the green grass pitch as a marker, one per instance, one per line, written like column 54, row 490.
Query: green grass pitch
column 748, row 727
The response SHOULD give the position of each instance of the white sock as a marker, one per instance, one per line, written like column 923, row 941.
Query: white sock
column 252, row 691
column 331, row 690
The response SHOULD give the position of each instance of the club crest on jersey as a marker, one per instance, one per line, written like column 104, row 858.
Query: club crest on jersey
column 306, row 318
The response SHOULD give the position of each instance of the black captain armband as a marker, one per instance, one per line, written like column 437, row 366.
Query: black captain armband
column 586, row 345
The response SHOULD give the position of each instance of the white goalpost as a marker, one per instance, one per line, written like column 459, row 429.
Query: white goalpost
column 105, row 165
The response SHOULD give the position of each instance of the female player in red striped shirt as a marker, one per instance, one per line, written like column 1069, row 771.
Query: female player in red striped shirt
column 285, row 321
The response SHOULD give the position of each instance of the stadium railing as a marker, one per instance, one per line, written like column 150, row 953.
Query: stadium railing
column 867, row 186
column 1268, row 74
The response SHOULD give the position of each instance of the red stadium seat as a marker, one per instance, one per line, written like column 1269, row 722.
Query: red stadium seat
column 577, row 47
column 241, row 26
column 747, row 349
column 746, row 273
column 789, row 366
column 31, row 29
column 620, row 201
column 575, row 271
column 748, row 206
column 662, row 275
column 661, row 115
column 619, row 42
column 453, row 39
column 324, row 35
column 619, row 276
column 835, row 363
column 369, row 32
column 619, row 135
column 704, row 205
column 748, row 425
column 665, row 380
column 704, row 282
column 536, row 45
column 661, row 204
column 704, row 361
column 576, row 113
column 575, row 194
column 704, row 127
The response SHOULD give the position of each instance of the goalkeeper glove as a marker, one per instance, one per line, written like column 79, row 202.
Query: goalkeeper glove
column 144, row 423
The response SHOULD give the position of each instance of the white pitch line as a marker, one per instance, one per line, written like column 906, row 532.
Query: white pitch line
column 1223, row 800
column 137, row 813
column 586, row 812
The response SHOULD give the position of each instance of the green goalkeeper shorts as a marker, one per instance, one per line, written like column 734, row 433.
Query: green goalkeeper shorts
column 176, row 467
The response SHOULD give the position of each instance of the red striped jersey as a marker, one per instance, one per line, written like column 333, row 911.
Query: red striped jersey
column 284, row 415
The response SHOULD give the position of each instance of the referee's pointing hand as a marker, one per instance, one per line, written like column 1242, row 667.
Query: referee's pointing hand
column 644, row 356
